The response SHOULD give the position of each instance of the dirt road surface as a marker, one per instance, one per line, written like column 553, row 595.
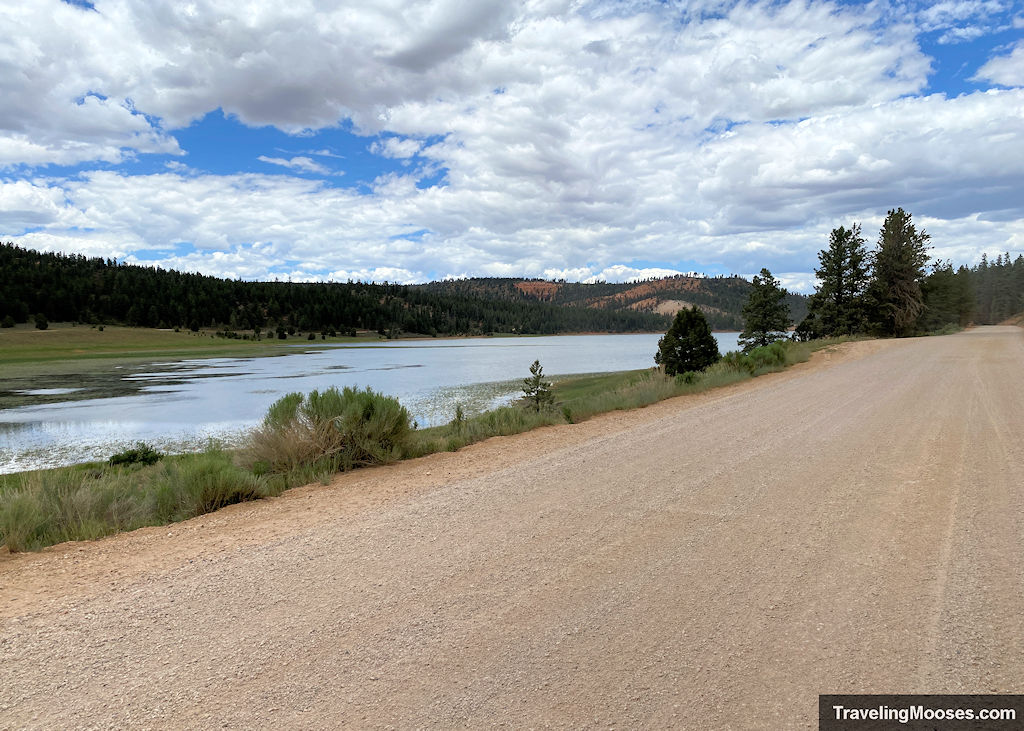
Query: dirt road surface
column 851, row 525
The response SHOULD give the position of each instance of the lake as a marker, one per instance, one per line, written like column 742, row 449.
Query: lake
column 178, row 407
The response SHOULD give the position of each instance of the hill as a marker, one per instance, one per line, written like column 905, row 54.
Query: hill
column 73, row 288
column 720, row 298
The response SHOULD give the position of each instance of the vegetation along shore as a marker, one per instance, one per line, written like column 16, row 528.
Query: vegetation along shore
column 307, row 438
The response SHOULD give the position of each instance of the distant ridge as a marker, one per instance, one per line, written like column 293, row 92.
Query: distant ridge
column 69, row 287
column 720, row 298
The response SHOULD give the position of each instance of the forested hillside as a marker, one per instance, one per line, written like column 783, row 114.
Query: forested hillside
column 720, row 298
column 75, row 288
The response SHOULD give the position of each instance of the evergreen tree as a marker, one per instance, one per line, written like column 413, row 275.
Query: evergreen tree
column 536, row 390
column 766, row 314
column 688, row 345
column 898, row 270
column 41, row 322
column 837, row 306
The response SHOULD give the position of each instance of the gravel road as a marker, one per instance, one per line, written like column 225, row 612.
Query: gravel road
column 851, row 525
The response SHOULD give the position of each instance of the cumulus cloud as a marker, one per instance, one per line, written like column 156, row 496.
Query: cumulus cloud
column 575, row 139
column 394, row 275
column 1007, row 70
column 54, row 61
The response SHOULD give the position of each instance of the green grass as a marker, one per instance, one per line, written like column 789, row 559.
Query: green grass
column 84, row 502
column 26, row 346
column 32, row 359
column 87, row 501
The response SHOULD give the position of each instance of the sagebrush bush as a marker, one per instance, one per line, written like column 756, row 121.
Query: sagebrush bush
column 758, row 360
column 142, row 453
column 332, row 429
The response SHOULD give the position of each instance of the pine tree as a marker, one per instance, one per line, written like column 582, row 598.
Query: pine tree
column 536, row 390
column 837, row 307
column 898, row 270
column 688, row 345
column 766, row 314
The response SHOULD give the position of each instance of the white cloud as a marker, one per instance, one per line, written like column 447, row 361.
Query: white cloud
column 614, row 273
column 376, row 274
column 302, row 164
column 57, row 107
column 802, row 282
column 248, row 225
column 1007, row 70
column 396, row 148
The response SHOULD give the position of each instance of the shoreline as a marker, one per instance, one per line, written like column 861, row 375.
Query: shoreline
column 40, row 515
column 134, row 349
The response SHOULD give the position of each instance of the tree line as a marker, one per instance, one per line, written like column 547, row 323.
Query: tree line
column 73, row 288
column 887, row 291
column 893, row 291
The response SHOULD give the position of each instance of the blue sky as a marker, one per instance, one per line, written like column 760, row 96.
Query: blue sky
column 408, row 141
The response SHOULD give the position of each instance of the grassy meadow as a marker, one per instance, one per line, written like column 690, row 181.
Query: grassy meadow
column 23, row 346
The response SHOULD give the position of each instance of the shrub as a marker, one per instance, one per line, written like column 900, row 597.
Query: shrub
column 768, row 356
column 78, row 503
column 142, row 453
column 689, row 377
column 41, row 322
column 737, row 361
column 333, row 429
column 7, row 322
column 459, row 421
column 758, row 360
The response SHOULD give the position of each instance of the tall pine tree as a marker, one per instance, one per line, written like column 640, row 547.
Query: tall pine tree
column 899, row 264
column 837, row 307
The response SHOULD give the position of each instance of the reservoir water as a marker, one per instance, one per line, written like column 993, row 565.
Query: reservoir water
column 179, row 406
